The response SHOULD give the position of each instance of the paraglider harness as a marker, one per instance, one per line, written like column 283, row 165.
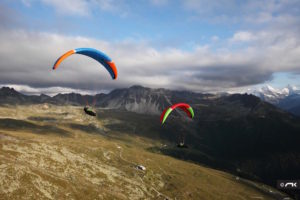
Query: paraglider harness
column 182, row 144
column 89, row 111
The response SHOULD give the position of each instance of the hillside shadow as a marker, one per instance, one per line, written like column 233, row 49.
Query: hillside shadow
column 89, row 128
column 22, row 125
column 261, row 144
column 42, row 119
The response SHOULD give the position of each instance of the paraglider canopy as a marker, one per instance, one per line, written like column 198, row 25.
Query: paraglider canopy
column 185, row 107
column 92, row 53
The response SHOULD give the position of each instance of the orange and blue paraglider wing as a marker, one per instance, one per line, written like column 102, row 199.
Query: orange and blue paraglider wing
column 92, row 53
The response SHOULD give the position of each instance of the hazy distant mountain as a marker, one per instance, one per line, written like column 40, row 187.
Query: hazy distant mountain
column 287, row 98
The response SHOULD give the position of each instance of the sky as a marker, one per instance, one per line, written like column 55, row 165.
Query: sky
column 197, row 45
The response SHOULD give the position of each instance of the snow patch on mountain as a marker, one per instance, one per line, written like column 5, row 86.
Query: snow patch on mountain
column 274, row 95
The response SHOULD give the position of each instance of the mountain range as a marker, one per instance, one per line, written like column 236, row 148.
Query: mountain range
column 136, row 99
column 151, row 101
column 239, row 133
column 287, row 98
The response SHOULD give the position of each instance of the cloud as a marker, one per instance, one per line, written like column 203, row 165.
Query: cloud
column 248, row 12
column 159, row 2
column 81, row 7
column 26, row 2
column 27, row 58
column 66, row 7
column 243, row 36
column 50, row 91
column 109, row 5
column 215, row 38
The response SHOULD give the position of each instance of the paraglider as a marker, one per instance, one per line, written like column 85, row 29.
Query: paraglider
column 92, row 53
column 89, row 111
column 182, row 145
column 187, row 109
column 96, row 55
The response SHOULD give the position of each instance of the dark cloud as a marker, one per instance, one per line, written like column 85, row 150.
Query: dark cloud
column 235, row 76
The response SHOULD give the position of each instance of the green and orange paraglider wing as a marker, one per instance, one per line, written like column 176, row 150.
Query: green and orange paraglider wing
column 185, row 107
